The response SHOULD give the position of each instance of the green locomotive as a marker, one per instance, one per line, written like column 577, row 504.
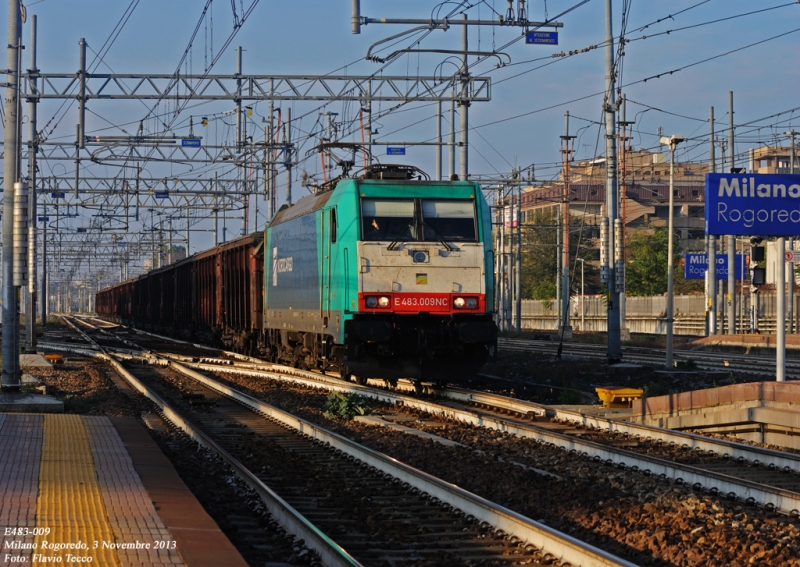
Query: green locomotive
column 386, row 275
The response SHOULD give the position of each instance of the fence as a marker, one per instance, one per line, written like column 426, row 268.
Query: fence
column 648, row 314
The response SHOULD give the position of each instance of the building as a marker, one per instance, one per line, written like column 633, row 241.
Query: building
column 644, row 191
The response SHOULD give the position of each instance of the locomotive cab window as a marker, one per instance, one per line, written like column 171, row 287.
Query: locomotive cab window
column 387, row 219
column 418, row 220
column 449, row 219
column 333, row 225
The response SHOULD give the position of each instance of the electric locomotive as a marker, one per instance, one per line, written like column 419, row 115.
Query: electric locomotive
column 386, row 274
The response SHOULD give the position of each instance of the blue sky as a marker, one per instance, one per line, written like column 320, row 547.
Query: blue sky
column 522, row 123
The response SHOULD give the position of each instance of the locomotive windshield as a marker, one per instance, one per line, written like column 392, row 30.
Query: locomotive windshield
column 387, row 219
column 449, row 219
column 418, row 220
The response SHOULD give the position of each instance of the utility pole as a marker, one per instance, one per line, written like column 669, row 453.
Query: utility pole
column 269, row 149
column 711, row 272
column 452, row 153
column 672, row 142
column 10, row 371
column 216, row 208
column 559, row 268
column 287, row 141
column 518, row 274
column 608, row 271
column 45, row 296
column 624, row 147
column 464, row 103
column 30, row 319
column 566, row 154
column 791, row 133
column 732, row 238
column 438, row 148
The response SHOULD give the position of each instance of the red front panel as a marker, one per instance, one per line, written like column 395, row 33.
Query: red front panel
column 442, row 303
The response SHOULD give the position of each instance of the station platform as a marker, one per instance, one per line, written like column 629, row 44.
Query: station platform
column 763, row 412
column 746, row 342
column 87, row 489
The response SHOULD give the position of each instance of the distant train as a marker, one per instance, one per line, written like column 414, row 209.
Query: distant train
column 383, row 275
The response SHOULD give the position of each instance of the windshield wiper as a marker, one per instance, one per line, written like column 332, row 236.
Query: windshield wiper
column 436, row 235
column 393, row 244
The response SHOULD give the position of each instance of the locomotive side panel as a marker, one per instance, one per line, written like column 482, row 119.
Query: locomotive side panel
column 292, row 279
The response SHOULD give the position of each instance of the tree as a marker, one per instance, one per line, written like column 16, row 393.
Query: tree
column 540, row 258
column 646, row 265
column 539, row 261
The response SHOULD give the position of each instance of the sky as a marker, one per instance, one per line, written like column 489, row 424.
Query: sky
column 681, row 57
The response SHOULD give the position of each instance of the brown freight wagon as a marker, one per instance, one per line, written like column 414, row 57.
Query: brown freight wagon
column 214, row 297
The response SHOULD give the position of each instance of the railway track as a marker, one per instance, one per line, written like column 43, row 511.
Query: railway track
column 711, row 361
column 411, row 515
column 738, row 471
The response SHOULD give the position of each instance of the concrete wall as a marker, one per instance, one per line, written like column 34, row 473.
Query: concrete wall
column 644, row 314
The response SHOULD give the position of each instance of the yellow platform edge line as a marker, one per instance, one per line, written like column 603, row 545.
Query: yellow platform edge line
column 70, row 501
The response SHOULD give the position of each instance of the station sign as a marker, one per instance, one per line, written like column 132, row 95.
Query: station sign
column 57, row 195
column 190, row 143
column 752, row 204
column 542, row 37
column 44, row 219
column 81, row 230
column 122, row 243
column 395, row 151
column 696, row 265
column 162, row 195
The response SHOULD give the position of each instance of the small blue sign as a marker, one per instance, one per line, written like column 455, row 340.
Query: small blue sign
column 752, row 204
column 542, row 37
column 81, row 230
column 122, row 243
column 395, row 151
column 162, row 195
column 44, row 219
column 190, row 143
column 57, row 195
column 696, row 265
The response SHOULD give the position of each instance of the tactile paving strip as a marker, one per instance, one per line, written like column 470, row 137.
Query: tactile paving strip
column 70, row 501
column 20, row 455
column 131, row 513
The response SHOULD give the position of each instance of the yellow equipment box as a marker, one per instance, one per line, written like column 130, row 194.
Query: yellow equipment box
column 618, row 396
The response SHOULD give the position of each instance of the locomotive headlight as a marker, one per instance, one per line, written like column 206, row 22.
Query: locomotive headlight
column 383, row 301
column 459, row 303
column 472, row 303
column 371, row 302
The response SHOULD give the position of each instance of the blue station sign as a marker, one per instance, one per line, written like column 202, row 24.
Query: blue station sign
column 190, row 143
column 696, row 265
column 57, row 194
column 162, row 195
column 752, row 204
column 395, row 151
column 542, row 37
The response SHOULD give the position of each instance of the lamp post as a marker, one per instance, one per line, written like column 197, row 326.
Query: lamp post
column 583, row 299
column 672, row 142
